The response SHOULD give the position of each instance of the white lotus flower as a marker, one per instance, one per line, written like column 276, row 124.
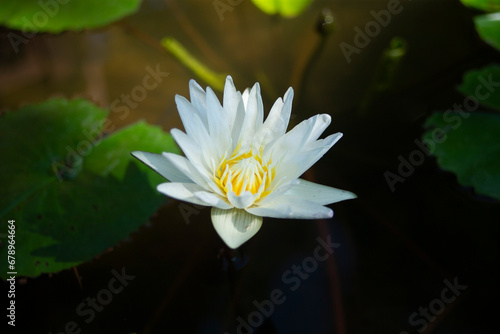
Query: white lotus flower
column 243, row 167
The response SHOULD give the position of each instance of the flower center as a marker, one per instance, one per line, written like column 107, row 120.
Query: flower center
column 243, row 172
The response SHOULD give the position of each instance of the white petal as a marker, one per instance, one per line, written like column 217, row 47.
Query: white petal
column 195, row 172
column 289, row 207
column 190, row 192
column 280, row 188
column 162, row 166
column 330, row 140
column 191, row 150
column 277, row 121
column 194, row 127
column 190, row 116
column 318, row 193
column 234, row 109
column 198, row 99
column 231, row 101
column 245, row 199
column 320, row 124
column 244, row 97
column 295, row 164
column 235, row 226
column 187, row 168
column 212, row 199
column 293, row 141
column 217, row 123
column 254, row 115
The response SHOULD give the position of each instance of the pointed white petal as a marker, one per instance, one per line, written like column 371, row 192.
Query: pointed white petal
column 187, row 168
column 330, row 140
column 244, row 97
column 231, row 100
column 318, row 193
column 162, row 166
column 195, row 172
column 190, row 192
column 191, row 149
column 280, row 117
column 235, row 226
column 255, row 105
column 254, row 116
column 217, row 123
column 190, row 116
column 212, row 199
column 234, row 109
column 245, row 199
column 293, row 141
column 289, row 207
column 279, row 187
column 277, row 121
column 198, row 100
column 321, row 122
column 295, row 164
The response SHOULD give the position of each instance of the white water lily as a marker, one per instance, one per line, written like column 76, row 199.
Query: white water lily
column 245, row 168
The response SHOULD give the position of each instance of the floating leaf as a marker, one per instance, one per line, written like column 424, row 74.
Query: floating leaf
column 483, row 85
column 72, row 193
column 286, row 8
column 486, row 5
column 55, row 16
column 470, row 148
column 488, row 27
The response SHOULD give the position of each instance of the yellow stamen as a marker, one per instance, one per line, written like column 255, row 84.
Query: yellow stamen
column 244, row 171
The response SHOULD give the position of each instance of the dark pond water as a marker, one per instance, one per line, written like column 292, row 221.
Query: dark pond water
column 396, row 252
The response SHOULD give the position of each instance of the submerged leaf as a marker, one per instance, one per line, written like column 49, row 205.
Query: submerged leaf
column 286, row 8
column 486, row 5
column 488, row 27
column 483, row 85
column 470, row 149
column 57, row 16
column 214, row 79
column 71, row 192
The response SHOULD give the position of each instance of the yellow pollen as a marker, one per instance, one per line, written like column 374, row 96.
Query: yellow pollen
column 244, row 172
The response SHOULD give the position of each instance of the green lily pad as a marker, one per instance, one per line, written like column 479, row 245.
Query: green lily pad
column 483, row 85
column 72, row 192
column 55, row 16
column 486, row 5
column 488, row 27
column 469, row 148
column 286, row 8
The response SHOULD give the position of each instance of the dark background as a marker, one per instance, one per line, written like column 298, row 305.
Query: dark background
column 396, row 247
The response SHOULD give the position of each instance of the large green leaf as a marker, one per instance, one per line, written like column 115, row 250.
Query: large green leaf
column 58, row 15
column 72, row 193
column 470, row 149
column 486, row 5
column 286, row 8
column 483, row 85
column 488, row 27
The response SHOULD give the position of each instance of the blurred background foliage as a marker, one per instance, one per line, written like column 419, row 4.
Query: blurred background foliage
column 84, row 83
